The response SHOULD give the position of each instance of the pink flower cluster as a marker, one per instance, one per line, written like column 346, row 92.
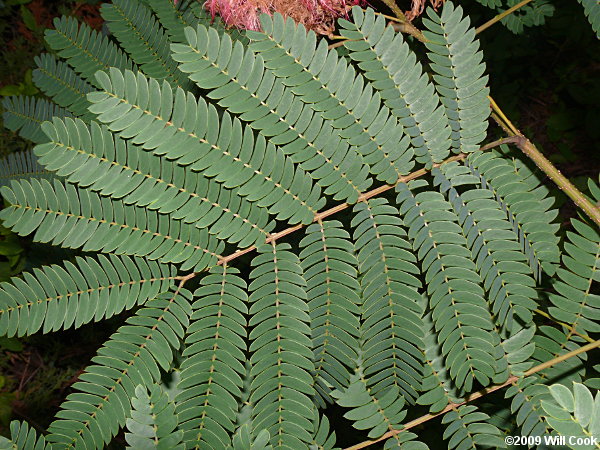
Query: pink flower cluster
column 318, row 15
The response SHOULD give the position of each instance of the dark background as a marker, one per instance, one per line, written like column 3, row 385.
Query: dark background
column 546, row 80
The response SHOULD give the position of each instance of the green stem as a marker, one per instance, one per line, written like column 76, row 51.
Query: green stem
column 395, row 9
column 548, row 168
column 403, row 24
column 561, row 181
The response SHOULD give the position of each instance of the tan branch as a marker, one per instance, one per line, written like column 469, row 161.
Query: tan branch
column 501, row 16
column 571, row 329
column 367, row 195
column 479, row 394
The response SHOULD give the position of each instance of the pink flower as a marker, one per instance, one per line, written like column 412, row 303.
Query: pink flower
column 318, row 15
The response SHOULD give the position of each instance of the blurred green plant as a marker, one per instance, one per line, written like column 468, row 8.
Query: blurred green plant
column 12, row 259
column 25, row 87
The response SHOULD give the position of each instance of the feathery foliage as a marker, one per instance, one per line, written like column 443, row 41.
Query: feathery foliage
column 22, row 436
column 153, row 421
column 59, row 82
column 22, row 165
column 574, row 413
column 190, row 131
column 124, row 170
column 281, row 348
column 335, row 91
column 575, row 302
column 212, row 373
column 133, row 356
column 57, row 297
column 330, row 270
column 592, row 12
column 237, row 78
column 174, row 147
column 391, row 313
column 459, row 81
column 84, row 49
column 26, row 114
column 174, row 16
column 467, row 428
column 142, row 36
column 388, row 62
column 76, row 217
column 527, row 205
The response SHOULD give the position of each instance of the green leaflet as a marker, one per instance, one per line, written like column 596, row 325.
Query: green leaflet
column 25, row 114
column 574, row 302
column 394, row 72
column 329, row 266
column 515, row 357
column 22, row 436
column 188, row 130
column 22, row 165
column 461, row 315
column 153, row 421
column 527, row 204
column 134, row 355
column 506, row 275
column 468, row 428
column 211, row 374
column 242, row 440
column 459, row 81
column 391, row 311
column 377, row 413
column 59, row 82
column 332, row 88
column 574, row 413
column 282, row 365
column 238, row 79
column 142, row 36
column 532, row 14
column 437, row 389
column 86, row 50
column 551, row 343
column 74, row 217
column 591, row 9
column 92, row 157
column 55, row 297
column 323, row 438
column 526, row 395
column 174, row 16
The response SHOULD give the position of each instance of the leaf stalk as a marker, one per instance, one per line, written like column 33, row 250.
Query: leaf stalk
column 564, row 184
